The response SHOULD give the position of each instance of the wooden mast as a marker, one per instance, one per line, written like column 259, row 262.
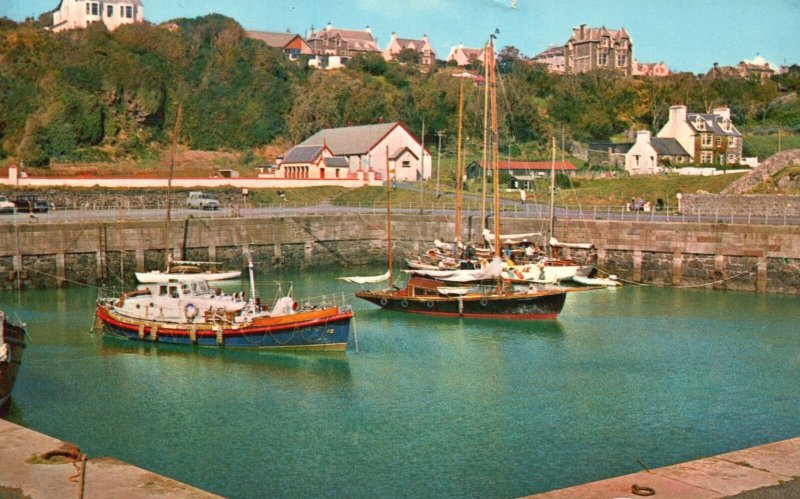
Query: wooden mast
column 458, row 170
column 495, row 166
column 484, row 163
column 175, row 134
column 552, row 193
column 389, row 215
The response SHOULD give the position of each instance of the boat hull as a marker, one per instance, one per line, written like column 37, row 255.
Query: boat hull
column 157, row 276
column 513, row 306
column 14, row 339
column 326, row 329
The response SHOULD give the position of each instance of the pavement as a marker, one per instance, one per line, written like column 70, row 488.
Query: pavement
column 24, row 474
column 768, row 471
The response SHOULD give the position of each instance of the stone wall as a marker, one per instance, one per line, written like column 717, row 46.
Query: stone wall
column 764, row 172
column 755, row 206
column 760, row 258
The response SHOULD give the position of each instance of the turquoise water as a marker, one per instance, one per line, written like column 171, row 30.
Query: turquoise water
column 430, row 406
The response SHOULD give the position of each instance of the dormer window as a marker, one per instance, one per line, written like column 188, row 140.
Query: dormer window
column 699, row 123
column 726, row 125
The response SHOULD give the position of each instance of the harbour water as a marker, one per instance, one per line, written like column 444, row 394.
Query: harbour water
column 430, row 406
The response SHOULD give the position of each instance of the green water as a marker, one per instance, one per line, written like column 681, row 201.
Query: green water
column 430, row 407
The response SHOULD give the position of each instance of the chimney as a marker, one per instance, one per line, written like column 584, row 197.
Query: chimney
column 368, row 30
column 425, row 38
column 723, row 111
column 677, row 113
column 643, row 137
column 583, row 31
column 329, row 26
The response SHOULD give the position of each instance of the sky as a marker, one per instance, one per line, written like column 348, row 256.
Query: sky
column 688, row 35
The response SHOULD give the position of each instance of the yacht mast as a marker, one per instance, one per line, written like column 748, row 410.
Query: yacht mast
column 175, row 135
column 495, row 167
column 458, row 171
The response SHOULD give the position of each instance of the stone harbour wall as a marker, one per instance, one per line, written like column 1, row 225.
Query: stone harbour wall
column 755, row 206
column 755, row 258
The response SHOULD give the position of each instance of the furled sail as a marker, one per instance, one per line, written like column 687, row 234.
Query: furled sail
column 555, row 242
column 366, row 279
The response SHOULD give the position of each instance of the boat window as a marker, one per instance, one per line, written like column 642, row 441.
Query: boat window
column 173, row 291
column 184, row 289
column 202, row 287
column 162, row 291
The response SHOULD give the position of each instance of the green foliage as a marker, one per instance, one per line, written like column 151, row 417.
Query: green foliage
column 92, row 93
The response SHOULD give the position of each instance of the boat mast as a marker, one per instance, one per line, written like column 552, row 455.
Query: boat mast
column 175, row 134
column 495, row 166
column 485, row 158
column 552, row 192
column 458, row 170
column 389, row 215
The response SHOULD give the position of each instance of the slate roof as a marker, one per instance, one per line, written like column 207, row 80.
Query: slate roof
column 337, row 162
column 615, row 148
column 595, row 34
column 713, row 124
column 552, row 51
column 668, row 146
column 277, row 40
column 303, row 153
column 361, row 41
column 349, row 141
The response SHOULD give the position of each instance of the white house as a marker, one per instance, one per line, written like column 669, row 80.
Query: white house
column 648, row 154
column 427, row 55
column 365, row 149
column 463, row 56
column 708, row 138
column 71, row 14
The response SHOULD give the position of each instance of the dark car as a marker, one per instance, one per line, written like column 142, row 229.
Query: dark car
column 31, row 204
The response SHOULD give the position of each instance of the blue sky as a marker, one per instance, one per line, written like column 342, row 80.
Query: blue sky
column 689, row 35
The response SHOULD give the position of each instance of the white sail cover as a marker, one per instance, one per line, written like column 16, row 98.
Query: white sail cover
column 509, row 238
column 371, row 279
column 491, row 271
column 555, row 242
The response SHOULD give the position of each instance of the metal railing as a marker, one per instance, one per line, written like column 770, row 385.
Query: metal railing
column 115, row 212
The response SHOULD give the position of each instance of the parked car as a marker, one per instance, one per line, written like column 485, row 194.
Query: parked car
column 31, row 204
column 202, row 201
column 6, row 206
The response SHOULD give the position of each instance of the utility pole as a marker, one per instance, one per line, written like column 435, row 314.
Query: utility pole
column 439, row 134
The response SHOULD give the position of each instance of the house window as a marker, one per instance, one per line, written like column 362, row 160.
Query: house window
column 109, row 11
column 706, row 139
column 602, row 58
column 731, row 142
column 95, row 9
column 719, row 141
column 622, row 60
column 706, row 157
column 699, row 123
column 406, row 164
column 129, row 12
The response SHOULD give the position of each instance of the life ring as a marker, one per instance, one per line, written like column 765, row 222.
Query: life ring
column 484, row 301
column 190, row 311
column 430, row 305
column 643, row 491
column 384, row 302
column 404, row 303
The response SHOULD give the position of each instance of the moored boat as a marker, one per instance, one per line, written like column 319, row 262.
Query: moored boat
column 182, row 270
column 12, row 343
column 185, row 310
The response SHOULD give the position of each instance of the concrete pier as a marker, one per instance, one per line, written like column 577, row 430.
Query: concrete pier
column 767, row 471
column 103, row 476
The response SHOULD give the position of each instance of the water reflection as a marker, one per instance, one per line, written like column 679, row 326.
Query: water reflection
column 303, row 371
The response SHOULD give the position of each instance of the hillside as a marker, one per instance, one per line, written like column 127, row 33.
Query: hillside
column 90, row 96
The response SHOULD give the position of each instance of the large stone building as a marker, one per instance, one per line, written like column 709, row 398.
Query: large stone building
column 423, row 49
column 333, row 47
column 72, row 14
column 708, row 138
column 589, row 49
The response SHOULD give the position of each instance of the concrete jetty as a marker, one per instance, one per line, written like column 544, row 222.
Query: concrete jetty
column 22, row 475
column 767, row 471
